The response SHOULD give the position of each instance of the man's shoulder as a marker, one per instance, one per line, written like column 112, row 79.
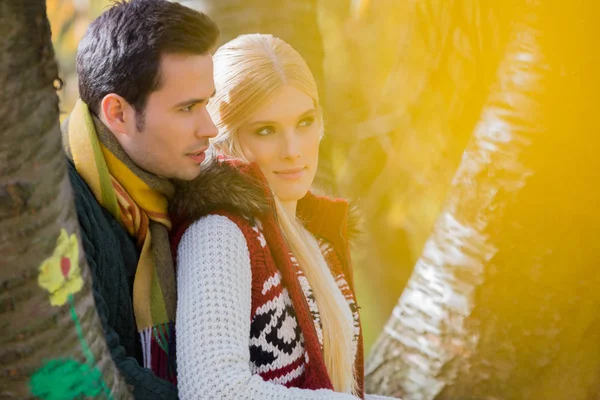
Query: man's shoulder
column 87, row 207
column 91, row 214
column 80, row 188
column 85, row 201
column 98, row 226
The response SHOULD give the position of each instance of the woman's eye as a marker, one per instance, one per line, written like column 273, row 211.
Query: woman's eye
column 306, row 122
column 265, row 130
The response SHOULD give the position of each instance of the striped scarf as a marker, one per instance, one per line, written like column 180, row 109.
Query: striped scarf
column 139, row 201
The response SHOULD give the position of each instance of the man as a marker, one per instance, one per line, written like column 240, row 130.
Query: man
column 145, row 77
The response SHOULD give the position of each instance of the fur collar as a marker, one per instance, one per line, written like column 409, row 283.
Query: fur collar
column 231, row 185
column 221, row 186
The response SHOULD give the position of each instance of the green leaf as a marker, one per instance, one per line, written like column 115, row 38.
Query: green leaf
column 67, row 379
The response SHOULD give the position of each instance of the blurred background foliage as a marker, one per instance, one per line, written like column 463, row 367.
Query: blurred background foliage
column 380, row 86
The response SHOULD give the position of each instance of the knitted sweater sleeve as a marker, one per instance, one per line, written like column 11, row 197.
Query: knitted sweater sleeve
column 214, row 280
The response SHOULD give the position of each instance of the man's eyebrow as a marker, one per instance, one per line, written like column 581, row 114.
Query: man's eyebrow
column 193, row 101
column 304, row 114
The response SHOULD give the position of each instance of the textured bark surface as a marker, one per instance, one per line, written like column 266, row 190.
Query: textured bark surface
column 503, row 302
column 424, row 70
column 35, row 203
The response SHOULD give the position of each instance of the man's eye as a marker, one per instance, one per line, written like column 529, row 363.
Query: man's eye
column 188, row 108
column 265, row 130
column 305, row 122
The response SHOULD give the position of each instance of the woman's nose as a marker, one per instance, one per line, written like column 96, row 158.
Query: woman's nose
column 291, row 146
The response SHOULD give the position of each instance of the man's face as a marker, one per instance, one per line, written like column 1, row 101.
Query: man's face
column 176, row 126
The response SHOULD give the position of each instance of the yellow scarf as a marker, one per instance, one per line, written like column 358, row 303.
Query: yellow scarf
column 139, row 201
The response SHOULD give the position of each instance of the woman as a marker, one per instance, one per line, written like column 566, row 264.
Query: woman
column 266, row 308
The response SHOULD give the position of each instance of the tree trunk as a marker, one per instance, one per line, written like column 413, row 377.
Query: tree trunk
column 422, row 69
column 503, row 303
column 296, row 22
column 46, row 349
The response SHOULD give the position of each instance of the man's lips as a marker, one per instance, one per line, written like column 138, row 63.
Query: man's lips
column 199, row 155
column 291, row 173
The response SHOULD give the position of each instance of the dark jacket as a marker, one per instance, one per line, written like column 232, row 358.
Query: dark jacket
column 112, row 257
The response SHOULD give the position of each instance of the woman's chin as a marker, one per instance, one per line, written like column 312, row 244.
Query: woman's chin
column 294, row 193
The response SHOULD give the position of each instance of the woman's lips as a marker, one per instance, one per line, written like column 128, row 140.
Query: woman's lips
column 291, row 174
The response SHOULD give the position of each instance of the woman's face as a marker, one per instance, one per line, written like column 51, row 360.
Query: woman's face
column 283, row 137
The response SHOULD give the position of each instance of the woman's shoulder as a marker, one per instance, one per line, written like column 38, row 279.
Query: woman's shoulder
column 211, row 236
column 224, row 224
column 219, row 236
column 214, row 224
column 334, row 219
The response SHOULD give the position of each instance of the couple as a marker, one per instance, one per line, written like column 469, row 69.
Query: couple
column 255, row 267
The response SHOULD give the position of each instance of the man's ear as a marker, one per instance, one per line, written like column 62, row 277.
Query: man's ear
column 115, row 112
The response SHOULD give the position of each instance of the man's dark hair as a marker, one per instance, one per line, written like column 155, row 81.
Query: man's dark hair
column 122, row 49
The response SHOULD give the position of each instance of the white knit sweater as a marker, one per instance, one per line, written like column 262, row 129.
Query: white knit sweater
column 214, row 279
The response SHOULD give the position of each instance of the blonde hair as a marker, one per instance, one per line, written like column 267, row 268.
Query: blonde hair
column 248, row 71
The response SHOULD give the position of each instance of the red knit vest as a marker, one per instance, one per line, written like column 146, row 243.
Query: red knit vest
column 284, row 343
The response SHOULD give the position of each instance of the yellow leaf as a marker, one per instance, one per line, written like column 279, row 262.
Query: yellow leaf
column 60, row 274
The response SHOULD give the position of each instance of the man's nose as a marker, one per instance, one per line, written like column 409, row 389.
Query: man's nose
column 206, row 128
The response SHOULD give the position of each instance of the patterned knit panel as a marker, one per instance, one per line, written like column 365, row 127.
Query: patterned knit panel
column 332, row 259
column 276, row 342
column 277, row 350
column 311, row 300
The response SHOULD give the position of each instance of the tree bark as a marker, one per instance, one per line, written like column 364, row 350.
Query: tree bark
column 503, row 302
column 422, row 70
column 35, row 205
